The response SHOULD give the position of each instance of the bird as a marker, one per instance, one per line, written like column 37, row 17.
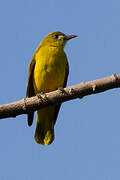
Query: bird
column 48, row 71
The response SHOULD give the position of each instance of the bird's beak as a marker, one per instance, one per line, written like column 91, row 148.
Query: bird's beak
column 70, row 36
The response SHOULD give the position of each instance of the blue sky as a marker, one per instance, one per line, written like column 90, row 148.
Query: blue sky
column 87, row 132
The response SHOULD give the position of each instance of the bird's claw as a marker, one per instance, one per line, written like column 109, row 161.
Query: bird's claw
column 39, row 95
column 61, row 89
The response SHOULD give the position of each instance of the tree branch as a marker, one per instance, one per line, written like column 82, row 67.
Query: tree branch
column 57, row 97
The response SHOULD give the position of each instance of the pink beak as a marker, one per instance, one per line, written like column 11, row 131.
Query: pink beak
column 70, row 36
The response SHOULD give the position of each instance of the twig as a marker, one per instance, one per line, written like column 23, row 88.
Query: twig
column 57, row 97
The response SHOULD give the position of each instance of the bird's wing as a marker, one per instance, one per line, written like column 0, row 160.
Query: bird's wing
column 57, row 108
column 30, row 89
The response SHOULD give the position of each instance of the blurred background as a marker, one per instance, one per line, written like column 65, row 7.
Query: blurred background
column 87, row 132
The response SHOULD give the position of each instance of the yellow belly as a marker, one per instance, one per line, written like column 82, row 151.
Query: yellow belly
column 49, row 75
column 49, row 72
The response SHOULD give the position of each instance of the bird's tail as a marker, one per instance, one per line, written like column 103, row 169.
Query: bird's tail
column 44, row 133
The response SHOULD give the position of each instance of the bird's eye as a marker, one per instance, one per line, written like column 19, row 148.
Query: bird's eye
column 56, row 36
column 59, row 37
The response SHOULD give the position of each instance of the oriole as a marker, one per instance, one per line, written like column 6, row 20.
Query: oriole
column 48, row 71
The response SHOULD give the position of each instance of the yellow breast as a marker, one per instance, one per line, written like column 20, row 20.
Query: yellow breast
column 50, row 69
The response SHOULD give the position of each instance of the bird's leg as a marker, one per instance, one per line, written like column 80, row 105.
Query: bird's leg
column 61, row 89
column 39, row 95
column 42, row 96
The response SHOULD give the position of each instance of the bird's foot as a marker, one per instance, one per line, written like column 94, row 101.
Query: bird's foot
column 42, row 96
column 61, row 89
column 39, row 95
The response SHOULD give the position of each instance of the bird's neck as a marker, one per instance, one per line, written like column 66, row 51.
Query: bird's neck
column 53, row 49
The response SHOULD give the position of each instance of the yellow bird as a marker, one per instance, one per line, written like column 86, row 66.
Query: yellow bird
column 48, row 71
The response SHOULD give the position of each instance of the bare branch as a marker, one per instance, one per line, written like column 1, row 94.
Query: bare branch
column 57, row 97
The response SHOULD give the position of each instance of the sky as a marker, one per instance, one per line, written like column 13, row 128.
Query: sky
column 87, row 132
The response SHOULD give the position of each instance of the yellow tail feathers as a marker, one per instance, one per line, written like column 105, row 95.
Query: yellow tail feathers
column 44, row 133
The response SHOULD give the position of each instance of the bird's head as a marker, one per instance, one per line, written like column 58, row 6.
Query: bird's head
column 56, row 39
